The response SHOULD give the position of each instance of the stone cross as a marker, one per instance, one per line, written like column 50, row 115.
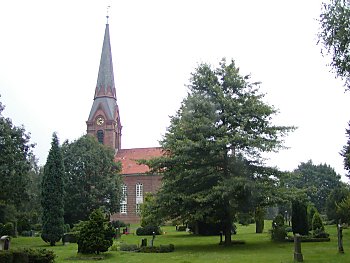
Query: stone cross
column 298, row 256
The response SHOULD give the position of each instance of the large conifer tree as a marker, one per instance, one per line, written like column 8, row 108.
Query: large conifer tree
column 52, row 194
column 217, row 135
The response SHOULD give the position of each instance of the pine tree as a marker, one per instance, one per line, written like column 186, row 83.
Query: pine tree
column 52, row 195
column 346, row 152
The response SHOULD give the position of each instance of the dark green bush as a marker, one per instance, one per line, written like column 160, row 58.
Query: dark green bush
column 160, row 249
column 245, row 219
column 148, row 231
column 299, row 218
column 278, row 220
column 319, row 233
column 20, row 256
column 8, row 229
column 128, row 247
column 278, row 231
column 6, row 256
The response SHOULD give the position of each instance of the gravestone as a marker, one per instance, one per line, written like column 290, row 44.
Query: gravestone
column 5, row 243
column 298, row 256
column 144, row 242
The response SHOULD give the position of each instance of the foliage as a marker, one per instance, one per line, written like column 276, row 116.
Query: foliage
column 245, row 219
column 343, row 210
column 299, row 217
column 53, row 194
column 317, row 222
column 118, row 224
column 148, row 231
column 149, row 214
column 316, row 181
column 91, row 178
column 259, row 219
column 346, row 152
column 96, row 234
column 213, row 147
column 27, row 255
column 278, row 231
column 160, row 249
column 15, row 162
column 128, row 247
column 319, row 233
column 311, row 210
column 7, row 229
column 334, row 36
column 335, row 197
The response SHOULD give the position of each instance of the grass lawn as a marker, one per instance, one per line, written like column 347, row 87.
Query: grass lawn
column 190, row 248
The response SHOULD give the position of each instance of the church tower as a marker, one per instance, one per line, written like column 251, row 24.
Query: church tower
column 104, row 120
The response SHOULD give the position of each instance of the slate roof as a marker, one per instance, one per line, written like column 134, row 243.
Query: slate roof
column 128, row 158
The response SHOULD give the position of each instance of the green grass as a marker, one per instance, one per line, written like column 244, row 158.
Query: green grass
column 190, row 248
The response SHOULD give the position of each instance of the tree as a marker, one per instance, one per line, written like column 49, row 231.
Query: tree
column 334, row 36
column 53, row 194
column 15, row 162
column 343, row 210
column 299, row 217
column 149, row 214
column 346, row 152
column 213, row 147
column 317, row 181
column 96, row 234
column 335, row 197
column 91, row 179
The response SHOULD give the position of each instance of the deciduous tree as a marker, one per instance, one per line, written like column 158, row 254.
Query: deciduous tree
column 91, row 179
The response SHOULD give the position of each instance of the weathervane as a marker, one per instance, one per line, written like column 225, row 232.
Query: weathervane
column 107, row 16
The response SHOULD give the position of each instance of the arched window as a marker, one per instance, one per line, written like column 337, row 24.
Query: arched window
column 100, row 136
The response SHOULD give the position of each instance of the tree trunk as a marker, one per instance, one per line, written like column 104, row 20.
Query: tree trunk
column 227, row 232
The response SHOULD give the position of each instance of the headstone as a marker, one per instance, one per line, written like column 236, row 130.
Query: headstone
column 340, row 238
column 220, row 237
column 298, row 256
column 144, row 242
column 5, row 243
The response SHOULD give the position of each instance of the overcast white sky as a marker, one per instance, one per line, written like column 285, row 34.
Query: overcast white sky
column 50, row 52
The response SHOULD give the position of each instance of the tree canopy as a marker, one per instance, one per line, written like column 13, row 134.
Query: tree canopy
column 346, row 152
column 334, row 36
column 15, row 162
column 213, row 147
column 91, row 179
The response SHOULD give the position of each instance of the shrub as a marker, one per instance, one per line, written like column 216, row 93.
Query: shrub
column 311, row 211
column 128, row 247
column 20, row 256
column 319, row 233
column 70, row 237
column 40, row 255
column 96, row 235
column 8, row 229
column 245, row 219
column 6, row 256
column 317, row 222
column 278, row 231
column 160, row 249
column 148, row 231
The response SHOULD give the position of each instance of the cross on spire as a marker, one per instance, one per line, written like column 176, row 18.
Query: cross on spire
column 107, row 16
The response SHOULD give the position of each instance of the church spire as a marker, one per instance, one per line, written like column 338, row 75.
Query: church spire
column 105, row 81
column 104, row 120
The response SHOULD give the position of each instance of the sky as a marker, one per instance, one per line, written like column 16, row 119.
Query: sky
column 50, row 52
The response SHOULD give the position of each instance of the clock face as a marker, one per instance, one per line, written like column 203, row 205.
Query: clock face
column 100, row 121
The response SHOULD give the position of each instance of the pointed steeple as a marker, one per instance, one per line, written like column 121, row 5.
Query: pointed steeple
column 104, row 120
column 105, row 81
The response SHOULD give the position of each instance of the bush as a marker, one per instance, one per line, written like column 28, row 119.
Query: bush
column 96, row 235
column 27, row 256
column 148, row 231
column 128, row 247
column 278, row 231
column 245, row 219
column 20, row 257
column 319, row 233
column 317, row 222
column 70, row 237
column 6, row 256
column 118, row 224
column 160, row 249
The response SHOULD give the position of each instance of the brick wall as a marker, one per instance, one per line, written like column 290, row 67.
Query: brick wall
column 150, row 183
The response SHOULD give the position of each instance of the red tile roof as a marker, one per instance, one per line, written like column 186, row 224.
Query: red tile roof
column 128, row 158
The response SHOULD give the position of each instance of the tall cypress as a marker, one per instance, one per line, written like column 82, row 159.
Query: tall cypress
column 52, row 194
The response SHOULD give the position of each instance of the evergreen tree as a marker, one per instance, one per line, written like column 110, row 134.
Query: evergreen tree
column 299, row 218
column 96, row 234
column 213, row 146
column 52, row 195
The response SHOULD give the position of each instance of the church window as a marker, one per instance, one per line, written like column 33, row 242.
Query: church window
column 139, row 194
column 100, row 136
column 124, row 199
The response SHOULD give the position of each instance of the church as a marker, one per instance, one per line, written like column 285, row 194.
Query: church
column 104, row 123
